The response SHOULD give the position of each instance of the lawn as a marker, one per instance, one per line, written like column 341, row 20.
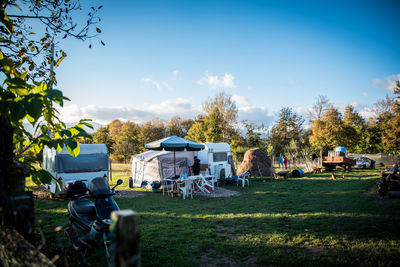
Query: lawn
column 303, row 221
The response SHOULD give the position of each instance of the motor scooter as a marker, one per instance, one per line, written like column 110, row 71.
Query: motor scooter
column 90, row 221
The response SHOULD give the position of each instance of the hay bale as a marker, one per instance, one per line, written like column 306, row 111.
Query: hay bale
column 256, row 161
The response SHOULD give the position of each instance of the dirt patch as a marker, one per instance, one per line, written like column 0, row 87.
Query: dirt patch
column 219, row 192
column 124, row 193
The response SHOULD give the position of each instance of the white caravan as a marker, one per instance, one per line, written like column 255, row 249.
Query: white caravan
column 92, row 162
column 216, row 157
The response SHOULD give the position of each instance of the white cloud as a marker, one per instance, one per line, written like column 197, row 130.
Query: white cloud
column 105, row 114
column 387, row 83
column 158, row 85
column 177, row 106
column 365, row 94
column 226, row 81
column 256, row 115
column 176, row 73
column 164, row 110
column 367, row 112
column 240, row 100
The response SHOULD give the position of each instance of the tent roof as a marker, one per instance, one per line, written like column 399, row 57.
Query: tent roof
column 149, row 155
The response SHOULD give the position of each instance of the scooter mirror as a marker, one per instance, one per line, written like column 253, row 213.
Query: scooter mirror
column 119, row 181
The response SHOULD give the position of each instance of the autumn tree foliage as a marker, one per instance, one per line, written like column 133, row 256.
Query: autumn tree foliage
column 31, row 34
column 223, row 102
column 391, row 129
column 331, row 131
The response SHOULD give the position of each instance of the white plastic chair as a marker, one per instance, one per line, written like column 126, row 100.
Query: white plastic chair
column 186, row 187
column 243, row 178
column 202, row 184
column 214, row 181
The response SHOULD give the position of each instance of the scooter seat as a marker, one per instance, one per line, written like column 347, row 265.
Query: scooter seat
column 84, row 206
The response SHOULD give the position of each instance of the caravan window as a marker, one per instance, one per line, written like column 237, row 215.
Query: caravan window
column 220, row 156
column 81, row 163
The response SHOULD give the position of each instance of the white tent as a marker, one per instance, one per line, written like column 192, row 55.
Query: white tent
column 153, row 165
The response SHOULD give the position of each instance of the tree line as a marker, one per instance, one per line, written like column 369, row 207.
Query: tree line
column 327, row 128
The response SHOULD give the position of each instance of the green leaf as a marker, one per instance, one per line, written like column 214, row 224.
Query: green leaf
column 17, row 111
column 34, row 108
column 6, row 21
column 59, row 145
column 40, row 88
column 55, row 95
column 44, row 176
column 67, row 133
column 72, row 147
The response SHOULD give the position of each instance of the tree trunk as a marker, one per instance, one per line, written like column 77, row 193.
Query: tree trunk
column 16, row 205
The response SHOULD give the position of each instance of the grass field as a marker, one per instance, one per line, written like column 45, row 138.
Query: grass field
column 304, row 221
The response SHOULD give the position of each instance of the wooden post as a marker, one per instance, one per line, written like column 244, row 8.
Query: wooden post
column 272, row 165
column 125, row 240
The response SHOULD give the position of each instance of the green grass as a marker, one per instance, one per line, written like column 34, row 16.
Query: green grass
column 304, row 221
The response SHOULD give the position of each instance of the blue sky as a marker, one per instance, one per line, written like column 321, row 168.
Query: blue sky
column 164, row 58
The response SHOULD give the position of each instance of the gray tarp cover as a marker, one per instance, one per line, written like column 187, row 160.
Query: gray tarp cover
column 82, row 163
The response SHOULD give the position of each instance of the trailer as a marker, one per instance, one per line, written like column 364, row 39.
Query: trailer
column 337, row 158
column 92, row 162
column 216, row 159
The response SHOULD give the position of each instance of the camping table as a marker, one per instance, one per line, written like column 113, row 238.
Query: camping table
column 191, row 179
column 166, row 185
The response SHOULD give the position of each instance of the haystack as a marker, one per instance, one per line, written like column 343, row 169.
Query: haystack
column 256, row 162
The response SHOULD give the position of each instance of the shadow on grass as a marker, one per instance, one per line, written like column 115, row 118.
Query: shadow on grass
column 276, row 222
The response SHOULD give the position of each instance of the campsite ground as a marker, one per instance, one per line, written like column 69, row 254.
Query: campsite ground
column 303, row 221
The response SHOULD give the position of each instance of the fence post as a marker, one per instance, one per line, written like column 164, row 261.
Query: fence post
column 125, row 240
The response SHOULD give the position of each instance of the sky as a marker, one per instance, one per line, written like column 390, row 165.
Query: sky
column 165, row 58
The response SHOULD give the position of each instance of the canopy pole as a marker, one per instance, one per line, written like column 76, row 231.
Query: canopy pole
column 174, row 165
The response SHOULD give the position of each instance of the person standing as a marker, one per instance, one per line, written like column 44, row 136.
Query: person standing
column 285, row 162
column 280, row 161
column 196, row 166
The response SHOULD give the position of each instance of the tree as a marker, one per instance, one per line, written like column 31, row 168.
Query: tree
column 213, row 126
column 127, row 141
column 33, row 30
column 321, row 105
column 228, row 110
column 197, row 130
column 151, row 131
column 253, row 134
column 179, row 127
column 355, row 128
column 330, row 131
column 29, row 52
column 288, row 127
column 102, row 136
column 27, row 66
column 391, row 133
